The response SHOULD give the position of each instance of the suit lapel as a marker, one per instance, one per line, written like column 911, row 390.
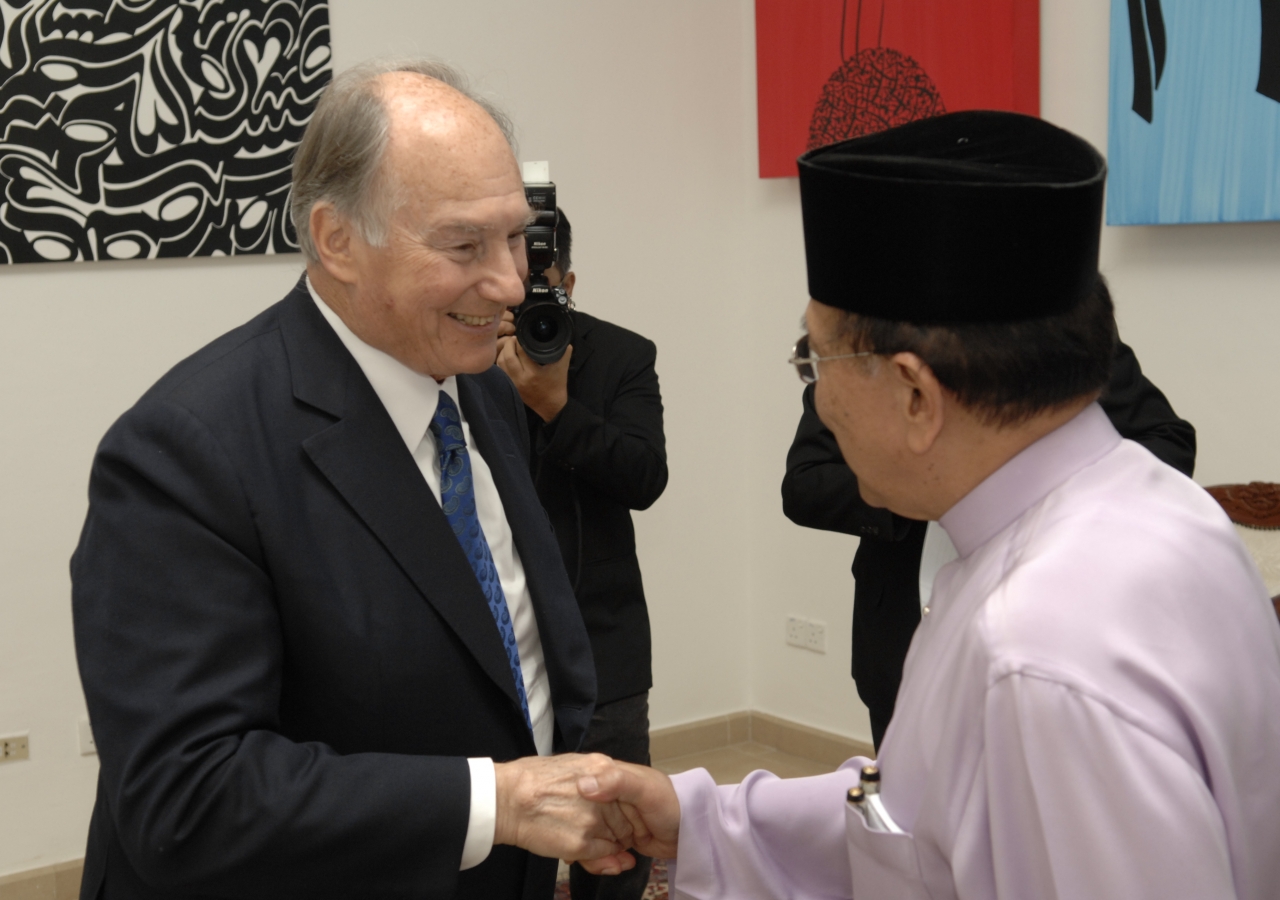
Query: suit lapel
column 496, row 443
column 364, row 458
column 493, row 438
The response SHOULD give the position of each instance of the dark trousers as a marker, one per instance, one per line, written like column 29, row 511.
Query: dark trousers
column 619, row 729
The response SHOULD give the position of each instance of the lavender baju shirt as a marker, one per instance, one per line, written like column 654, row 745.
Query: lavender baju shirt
column 1091, row 709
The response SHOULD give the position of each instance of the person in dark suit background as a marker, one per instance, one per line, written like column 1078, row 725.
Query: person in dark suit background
column 595, row 425
column 323, row 627
column 820, row 491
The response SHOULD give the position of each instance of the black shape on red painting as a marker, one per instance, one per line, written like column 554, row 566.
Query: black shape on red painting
column 875, row 89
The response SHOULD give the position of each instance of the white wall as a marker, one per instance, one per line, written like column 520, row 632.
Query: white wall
column 79, row 344
column 647, row 112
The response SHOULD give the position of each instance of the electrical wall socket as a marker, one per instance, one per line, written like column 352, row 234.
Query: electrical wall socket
column 807, row 633
column 87, row 745
column 14, row 747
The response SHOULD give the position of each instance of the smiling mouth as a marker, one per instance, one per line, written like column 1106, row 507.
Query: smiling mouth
column 473, row 320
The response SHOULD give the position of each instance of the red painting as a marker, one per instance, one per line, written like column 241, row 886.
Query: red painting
column 828, row 70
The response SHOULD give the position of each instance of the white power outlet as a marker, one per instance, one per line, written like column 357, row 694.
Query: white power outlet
column 795, row 631
column 807, row 633
column 87, row 745
column 15, row 747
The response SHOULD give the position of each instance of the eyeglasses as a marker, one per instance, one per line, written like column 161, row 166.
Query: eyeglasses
column 806, row 361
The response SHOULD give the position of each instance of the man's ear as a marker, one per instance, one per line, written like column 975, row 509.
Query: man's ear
column 333, row 239
column 920, row 399
column 568, row 282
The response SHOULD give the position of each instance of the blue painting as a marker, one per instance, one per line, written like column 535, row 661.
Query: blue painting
column 1195, row 111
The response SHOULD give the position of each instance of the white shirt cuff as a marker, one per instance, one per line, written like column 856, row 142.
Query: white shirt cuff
column 484, row 814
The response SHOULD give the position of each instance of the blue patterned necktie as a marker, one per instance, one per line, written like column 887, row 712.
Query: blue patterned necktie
column 458, row 500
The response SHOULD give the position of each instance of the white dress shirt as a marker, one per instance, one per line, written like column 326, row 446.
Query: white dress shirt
column 410, row 400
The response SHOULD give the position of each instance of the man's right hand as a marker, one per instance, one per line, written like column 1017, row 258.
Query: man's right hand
column 648, row 800
column 543, row 388
column 541, row 809
column 507, row 327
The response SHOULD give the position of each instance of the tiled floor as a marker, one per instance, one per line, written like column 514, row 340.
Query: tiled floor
column 729, row 765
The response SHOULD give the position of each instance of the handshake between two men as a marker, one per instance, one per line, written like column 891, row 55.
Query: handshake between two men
column 586, row 808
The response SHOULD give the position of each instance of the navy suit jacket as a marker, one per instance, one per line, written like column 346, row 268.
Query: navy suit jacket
column 286, row 655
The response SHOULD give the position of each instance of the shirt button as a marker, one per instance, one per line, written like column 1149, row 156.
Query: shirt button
column 925, row 611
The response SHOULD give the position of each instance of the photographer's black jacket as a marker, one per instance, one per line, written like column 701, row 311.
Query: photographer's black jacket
column 820, row 491
column 601, row 457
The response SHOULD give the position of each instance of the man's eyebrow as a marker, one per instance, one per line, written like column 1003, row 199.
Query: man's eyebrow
column 460, row 228
column 473, row 228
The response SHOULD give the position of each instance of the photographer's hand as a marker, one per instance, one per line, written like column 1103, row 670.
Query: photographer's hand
column 544, row 389
column 507, row 326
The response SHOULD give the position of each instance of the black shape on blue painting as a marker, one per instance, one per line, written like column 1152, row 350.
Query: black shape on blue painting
column 1269, row 67
column 1146, row 28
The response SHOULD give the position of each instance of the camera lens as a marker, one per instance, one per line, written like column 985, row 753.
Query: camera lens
column 544, row 329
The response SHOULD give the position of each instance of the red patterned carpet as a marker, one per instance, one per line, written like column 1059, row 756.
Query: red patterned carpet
column 657, row 889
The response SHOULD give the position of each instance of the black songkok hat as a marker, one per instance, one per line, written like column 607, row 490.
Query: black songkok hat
column 968, row 217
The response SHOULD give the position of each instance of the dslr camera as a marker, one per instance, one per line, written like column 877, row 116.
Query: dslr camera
column 544, row 321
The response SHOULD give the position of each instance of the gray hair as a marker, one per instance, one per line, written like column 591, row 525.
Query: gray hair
column 340, row 157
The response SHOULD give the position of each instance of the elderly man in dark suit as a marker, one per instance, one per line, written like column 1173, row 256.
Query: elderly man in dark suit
column 320, row 616
column 595, row 423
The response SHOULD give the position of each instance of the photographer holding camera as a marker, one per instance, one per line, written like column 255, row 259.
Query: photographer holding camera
column 598, row 452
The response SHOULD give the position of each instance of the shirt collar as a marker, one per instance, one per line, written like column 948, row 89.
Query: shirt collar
column 409, row 398
column 1028, row 478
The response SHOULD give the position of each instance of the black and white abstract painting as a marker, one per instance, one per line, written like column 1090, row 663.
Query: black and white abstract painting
column 139, row 129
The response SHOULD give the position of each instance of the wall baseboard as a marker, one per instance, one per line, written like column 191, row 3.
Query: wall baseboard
column 58, row 882
column 762, row 728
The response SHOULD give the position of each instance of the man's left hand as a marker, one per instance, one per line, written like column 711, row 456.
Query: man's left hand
column 652, row 809
column 544, row 389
